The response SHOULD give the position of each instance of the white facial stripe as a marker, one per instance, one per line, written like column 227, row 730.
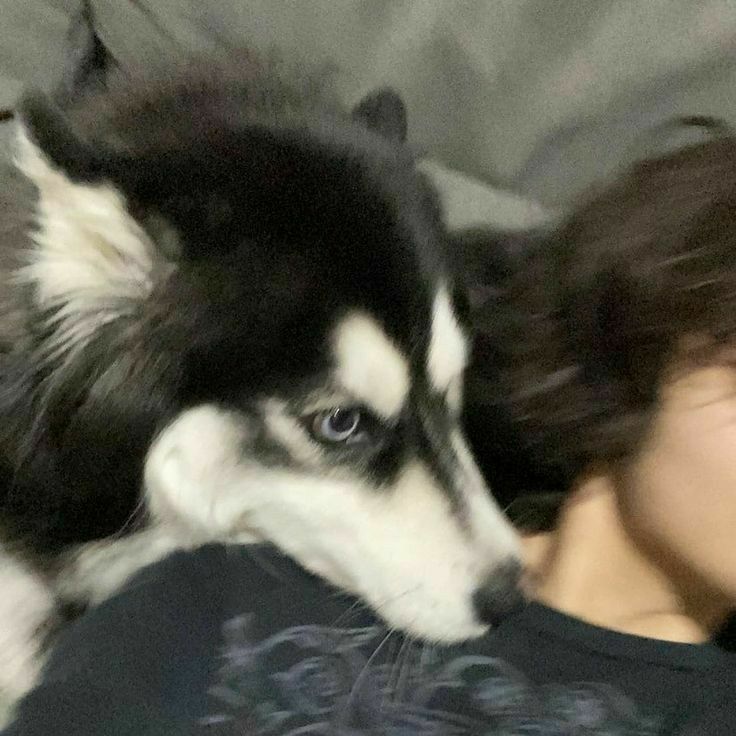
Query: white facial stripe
column 369, row 366
column 448, row 347
column 288, row 434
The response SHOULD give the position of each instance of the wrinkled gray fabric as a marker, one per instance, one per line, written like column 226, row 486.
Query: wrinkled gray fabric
column 540, row 97
column 31, row 43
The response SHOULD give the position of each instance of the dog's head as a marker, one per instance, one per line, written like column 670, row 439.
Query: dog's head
column 245, row 289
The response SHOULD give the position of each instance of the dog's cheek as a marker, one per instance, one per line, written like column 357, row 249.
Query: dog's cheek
column 195, row 476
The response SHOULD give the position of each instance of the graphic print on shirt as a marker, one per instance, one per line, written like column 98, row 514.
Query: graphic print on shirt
column 322, row 681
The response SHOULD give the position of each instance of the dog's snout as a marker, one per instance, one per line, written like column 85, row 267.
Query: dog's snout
column 501, row 594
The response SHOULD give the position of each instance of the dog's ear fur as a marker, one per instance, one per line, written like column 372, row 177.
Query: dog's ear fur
column 48, row 130
column 383, row 112
column 87, row 61
column 89, row 250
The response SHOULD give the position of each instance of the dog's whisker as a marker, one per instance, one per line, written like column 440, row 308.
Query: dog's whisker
column 392, row 599
column 391, row 659
column 253, row 552
column 365, row 670
column 137, row 513
column 405, row 667
column 396, row 666
column 349, row 613
column 390, row 692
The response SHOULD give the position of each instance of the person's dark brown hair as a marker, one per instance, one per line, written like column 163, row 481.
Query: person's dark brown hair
column 577, row 331
column 574, row 348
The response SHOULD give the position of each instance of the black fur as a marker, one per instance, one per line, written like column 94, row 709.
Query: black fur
column 289, row 210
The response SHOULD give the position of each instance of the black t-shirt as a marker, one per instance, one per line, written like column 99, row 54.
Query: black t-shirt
column 241, row 641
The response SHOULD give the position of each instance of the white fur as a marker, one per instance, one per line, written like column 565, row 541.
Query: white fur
column 400, row 549
column 369, row 365
column 91, row 258
column 448, row 347
column 97, row 570
column 285, row 430
column 26, row 603
column 454, row 395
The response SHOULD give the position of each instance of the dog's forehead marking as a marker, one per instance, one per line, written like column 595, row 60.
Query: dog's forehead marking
column 370, row 366
column 448, row 346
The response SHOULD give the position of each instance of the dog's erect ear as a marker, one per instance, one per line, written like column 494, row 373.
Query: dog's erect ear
column 49, row 131
column 90, row 252
column 384, row 112
column 87, row 61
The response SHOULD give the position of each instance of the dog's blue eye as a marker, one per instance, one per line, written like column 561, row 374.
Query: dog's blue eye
column 337, row 425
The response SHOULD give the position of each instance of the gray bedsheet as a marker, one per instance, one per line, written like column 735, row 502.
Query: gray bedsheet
column 541, row 97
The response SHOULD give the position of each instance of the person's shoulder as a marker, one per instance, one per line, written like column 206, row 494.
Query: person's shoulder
column 190, row 563
column 718, row 720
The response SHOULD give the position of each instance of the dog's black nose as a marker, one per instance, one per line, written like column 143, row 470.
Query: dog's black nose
column 501, row 595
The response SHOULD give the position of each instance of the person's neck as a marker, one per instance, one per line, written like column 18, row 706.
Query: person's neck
column 592, row 569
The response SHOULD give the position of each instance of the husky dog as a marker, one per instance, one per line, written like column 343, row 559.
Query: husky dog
column 235, row 321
